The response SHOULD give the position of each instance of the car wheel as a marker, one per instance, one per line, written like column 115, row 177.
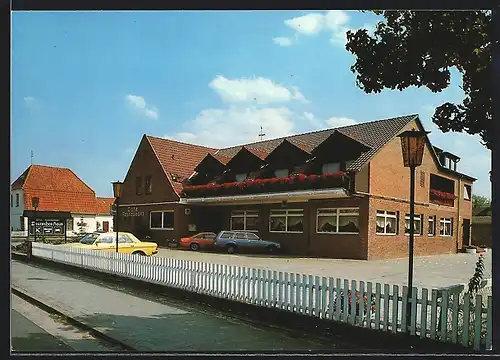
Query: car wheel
column 194, row 246
column 231, row 249
column 139, row 253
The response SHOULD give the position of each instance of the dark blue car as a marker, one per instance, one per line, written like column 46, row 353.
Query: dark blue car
column 233, row 241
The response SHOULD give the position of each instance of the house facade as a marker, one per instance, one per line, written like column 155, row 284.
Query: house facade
column 62, row 196
column 339, row 193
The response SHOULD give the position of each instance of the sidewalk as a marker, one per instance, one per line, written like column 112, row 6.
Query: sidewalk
column 147, row 325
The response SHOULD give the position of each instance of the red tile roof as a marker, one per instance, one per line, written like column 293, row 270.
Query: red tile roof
column 181, row 158
column 178, row 159
column 58, row 189
column 103, row 205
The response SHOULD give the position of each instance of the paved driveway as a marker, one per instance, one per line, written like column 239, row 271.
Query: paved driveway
column 429, row 271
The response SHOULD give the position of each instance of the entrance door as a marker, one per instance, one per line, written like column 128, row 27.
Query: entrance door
column 105, row 226
column 466, row 232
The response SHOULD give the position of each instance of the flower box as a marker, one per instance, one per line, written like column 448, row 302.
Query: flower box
column 442, row 198
column 254, row 186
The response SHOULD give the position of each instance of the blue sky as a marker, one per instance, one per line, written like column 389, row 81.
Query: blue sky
column 87, row 85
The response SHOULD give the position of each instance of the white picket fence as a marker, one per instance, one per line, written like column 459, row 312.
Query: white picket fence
column 452, row 321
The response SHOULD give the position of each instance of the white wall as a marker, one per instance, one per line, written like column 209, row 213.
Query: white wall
column 108, row 218
column 16, row 212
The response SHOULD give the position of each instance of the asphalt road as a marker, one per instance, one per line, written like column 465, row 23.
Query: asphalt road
column 26, row 336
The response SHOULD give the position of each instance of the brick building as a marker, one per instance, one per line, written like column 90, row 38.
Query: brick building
column 340, row 193
column 62, row 195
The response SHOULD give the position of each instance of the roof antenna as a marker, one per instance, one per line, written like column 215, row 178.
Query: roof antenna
column 261, row 134
column 31, row 157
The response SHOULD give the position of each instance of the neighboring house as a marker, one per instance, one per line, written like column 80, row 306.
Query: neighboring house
column 340, row 193
column 481, row 227
column 62, row 195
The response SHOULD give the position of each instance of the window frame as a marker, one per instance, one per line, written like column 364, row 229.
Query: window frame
column 286, row 215
column 17, row 200
column 468, row 191
column 445, row 221
column 148, row 184
column 245, row 215
column 433, row 217
column 162, row 219
column 387, row 214
column 421, row 227
column 337, row 216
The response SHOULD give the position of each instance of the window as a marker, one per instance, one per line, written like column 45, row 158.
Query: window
column 69, row 224
column 11, row 200
column 446, row 227
column 417, row 224
column 245, row 220
column 124, row 239
column 432, row 226
column 467, row 192
column 348, row 163
column 339, row 221
column 161, row 220
column 331, row 167
column 252, row 236
column 290, row 220
column 281, row 173
column 17, row 200
column 241, row 177
column 226, row 235
column 422, row 178
column 149, row 184
column 138, row 185
column 387, row 222
column 108, row 239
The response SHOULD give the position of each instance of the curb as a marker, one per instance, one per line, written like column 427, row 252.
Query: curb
column 373, row 340
column 49, row 309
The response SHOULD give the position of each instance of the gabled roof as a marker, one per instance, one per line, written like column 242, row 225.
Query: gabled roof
column 103, row 205
column 58, row 189
column 177, row 159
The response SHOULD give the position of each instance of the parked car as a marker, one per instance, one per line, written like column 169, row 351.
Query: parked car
column 199, row 241
column 233, row 241
column 127, row 243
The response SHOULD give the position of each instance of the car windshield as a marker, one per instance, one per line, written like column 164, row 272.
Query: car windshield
column 88, row 239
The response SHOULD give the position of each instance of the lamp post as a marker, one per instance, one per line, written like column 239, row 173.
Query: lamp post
column 412, row 146
column 34, row 203
column 117, row 191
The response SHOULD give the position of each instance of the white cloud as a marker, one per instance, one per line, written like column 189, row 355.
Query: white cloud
column 29, row 99
column 258, row 90
column 282, row 41
column 140, row 104
column 340, row 121
column 336, row 22
column 233, row 126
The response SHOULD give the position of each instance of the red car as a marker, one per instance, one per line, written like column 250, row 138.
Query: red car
column 199, row 241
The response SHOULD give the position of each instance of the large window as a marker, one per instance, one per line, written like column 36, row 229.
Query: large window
column 241, row 177
column 338, row 221
column 432, row 226
column 446, row 227
column 161, row 220
column 289, row 220
column 245, row 220
column 417, row 224
column 148, row 184
column 387, row 222
column 331, row 167
column 138, row 185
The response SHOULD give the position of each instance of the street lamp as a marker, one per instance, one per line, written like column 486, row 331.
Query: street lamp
column 412, row 146
column 34, row 203
column 117, row 191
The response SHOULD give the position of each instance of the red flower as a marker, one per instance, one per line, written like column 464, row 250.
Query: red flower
column 313, row 178
column 301, row 177
column 274, row 180
column 443, row 195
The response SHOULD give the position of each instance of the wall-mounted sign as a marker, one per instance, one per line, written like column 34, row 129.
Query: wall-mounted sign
column 191, row 227
column 46, row 227
column 131, row 211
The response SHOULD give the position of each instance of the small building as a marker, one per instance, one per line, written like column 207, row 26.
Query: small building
column 62, row 196
column 481, row 227
column 339, row 193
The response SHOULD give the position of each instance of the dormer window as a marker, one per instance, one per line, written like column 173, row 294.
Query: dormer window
column 241, row 177
column 331, row 167
column 281, row 173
